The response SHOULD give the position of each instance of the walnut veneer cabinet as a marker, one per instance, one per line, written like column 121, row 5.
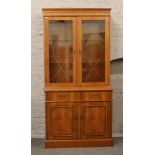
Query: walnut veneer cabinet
column 78, row 94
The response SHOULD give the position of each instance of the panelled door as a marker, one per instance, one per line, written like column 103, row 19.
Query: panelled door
column 95, row 119
column 61, row 120
column 93, row 41
column 60, row 48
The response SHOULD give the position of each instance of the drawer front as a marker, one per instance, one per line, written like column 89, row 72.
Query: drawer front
column 96, row 96
column 61, row 96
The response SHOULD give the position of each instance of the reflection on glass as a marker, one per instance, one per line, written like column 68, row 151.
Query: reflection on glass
column 60, row 51
column 93, row 48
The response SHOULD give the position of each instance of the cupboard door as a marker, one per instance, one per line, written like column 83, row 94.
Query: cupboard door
column 93, row 50
column 95, row 119
column 60, row 59
column 61, row 121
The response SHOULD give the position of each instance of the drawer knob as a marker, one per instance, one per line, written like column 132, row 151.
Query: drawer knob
column 95, row 95
column 62, row 95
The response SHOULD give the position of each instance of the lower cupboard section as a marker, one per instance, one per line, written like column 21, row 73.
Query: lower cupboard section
column 78, row 120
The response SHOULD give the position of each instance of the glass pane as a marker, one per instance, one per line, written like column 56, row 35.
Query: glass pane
column 93, row 50
column 60, row 51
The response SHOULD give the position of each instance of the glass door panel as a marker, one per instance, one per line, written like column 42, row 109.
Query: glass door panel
column 60, row 51
column 93, row 51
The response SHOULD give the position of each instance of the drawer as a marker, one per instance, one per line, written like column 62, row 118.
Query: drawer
column 61, row 96
column 96, row 96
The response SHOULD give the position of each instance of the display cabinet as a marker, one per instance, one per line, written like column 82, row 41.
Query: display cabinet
column 78, row 95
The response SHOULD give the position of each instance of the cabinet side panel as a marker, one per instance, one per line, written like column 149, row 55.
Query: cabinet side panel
column 107, row 51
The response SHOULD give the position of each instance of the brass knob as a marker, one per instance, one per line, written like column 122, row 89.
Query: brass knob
column 62, row 95
column 95, row 95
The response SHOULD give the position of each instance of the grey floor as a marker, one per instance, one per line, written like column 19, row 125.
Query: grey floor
column 117, row 149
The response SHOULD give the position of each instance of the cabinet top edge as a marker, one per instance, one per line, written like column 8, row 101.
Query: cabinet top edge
column 49, row 12
column 76, row 9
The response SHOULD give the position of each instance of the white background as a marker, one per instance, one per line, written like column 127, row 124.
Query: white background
column 139, row 77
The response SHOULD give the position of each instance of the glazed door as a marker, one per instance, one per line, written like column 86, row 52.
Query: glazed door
column 60, row 47
column 93, row 48
column 95, row 119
